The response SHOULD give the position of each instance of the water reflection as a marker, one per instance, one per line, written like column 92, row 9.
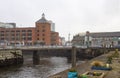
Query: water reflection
column 48, row 66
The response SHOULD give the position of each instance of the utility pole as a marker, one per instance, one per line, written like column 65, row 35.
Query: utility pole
column 87, row 35
column 69, row 39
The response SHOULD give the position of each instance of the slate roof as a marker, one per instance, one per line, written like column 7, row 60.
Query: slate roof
column 43, row 19
column 105, row 34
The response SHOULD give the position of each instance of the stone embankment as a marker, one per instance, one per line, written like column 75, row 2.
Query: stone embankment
column 10, row 57
column 84, row 67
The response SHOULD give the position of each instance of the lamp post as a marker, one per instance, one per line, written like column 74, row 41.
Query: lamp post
column 87, row 42
column 69, row 39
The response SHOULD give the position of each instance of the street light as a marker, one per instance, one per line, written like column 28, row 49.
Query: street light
column 87, row 35
column 69, row 39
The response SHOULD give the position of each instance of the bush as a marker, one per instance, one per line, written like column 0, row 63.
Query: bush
column 82, row 76
column 116, row 54
column 109, row 59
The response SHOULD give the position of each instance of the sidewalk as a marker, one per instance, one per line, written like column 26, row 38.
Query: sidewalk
column 82, row 68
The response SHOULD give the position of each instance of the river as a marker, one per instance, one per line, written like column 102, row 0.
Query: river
column 47, row 66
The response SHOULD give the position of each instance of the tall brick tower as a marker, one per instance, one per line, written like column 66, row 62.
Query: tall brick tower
column 43, row 30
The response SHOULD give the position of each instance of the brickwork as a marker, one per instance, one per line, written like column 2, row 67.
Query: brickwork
column 30, row 35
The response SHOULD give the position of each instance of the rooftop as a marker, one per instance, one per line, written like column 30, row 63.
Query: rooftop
column 105, row 34
column 43, row 19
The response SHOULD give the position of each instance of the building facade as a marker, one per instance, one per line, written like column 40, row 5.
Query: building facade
column 100, row 39
column 55, row 38
column 41, row 34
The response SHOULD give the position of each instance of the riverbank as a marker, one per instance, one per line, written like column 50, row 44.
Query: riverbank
column 82, row 68
column 10, row 57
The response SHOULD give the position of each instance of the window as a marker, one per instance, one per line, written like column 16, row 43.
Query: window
column 43, row 26
column 2, row 38
column 29, row 38
column 43, row 39
column 12, row 31
column 7, row 38
column 7, row 34
column 13, row 38
column 43, row 34
column 17, row 34
column 37, row 34
column 23, row 34
column 23, row 30
column 17, row 38
column 23, row 38
column 2, row 31
column 29, row 30
column 43, row 30
column 7, row 31
column 29, row 34
column 37, row 38
column 37, row 30
column 17, row 30
column 13, row 34
column 2, row 34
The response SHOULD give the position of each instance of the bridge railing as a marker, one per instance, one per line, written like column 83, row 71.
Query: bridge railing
column 31, row 47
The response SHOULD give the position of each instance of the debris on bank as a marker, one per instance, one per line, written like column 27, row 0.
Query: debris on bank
column 10, row 57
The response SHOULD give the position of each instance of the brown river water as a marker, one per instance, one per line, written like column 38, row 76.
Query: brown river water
column 48, row 66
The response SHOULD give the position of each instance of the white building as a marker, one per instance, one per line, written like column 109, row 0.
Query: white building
column 100, row 39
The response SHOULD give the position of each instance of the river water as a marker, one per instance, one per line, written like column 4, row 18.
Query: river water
column 48, row 66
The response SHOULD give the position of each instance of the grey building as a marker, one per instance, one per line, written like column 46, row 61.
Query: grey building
column 7, row 25
column 99, row 39
column 52, row 26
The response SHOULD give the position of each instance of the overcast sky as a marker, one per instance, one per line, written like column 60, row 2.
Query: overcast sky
column 70, row 16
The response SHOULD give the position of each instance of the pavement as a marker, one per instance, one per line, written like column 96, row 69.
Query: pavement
column 84, row 67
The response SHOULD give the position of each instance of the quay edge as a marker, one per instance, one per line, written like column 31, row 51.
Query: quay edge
column 10, row 57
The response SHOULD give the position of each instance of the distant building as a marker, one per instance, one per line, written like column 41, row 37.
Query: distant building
column 99, row 39
column 3, row 43
column 7, row 25
column 54, row 38
column 78, row 40
column 52, row 26
column 41, row 34
column 62, row 41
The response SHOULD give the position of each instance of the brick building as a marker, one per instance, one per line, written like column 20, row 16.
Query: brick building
column 41, row 34
column 55, row 38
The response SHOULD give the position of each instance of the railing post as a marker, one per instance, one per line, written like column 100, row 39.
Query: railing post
column 73, row 56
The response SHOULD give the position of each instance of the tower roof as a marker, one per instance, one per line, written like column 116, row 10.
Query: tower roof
column 43, row 20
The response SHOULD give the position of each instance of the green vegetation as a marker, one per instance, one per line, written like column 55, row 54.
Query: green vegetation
column 82, row 76
column 109, row 59
column 115, row 54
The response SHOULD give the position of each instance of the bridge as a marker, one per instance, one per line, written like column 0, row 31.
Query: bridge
column 64, row 51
